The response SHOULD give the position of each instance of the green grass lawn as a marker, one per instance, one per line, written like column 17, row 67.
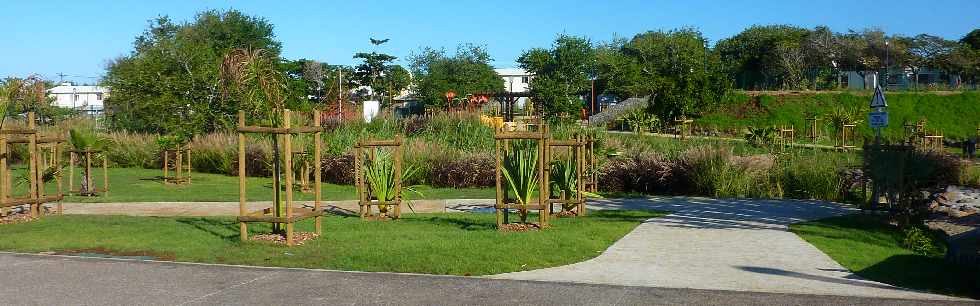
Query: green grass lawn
column 445, row 243
column 144, row 185
column 872, row 249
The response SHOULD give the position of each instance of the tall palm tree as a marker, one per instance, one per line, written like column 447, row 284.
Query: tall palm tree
column 252, row 75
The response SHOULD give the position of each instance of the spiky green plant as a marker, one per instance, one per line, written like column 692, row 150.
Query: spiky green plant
column 520, row 167
column 380, row 176
column 564, row 179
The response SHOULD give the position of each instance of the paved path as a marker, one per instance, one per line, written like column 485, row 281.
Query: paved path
column 716, row 244
column 60, row 280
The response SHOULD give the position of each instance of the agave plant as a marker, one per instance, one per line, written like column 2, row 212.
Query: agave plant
column 520, row 167
column 564, row 179
column 380, row 176
column 761, row 137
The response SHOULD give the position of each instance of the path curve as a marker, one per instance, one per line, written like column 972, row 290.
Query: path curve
column 721, row 244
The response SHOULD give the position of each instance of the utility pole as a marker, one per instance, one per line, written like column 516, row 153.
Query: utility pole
column 61, row 77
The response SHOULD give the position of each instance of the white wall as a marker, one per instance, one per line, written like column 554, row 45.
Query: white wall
column 78, row 100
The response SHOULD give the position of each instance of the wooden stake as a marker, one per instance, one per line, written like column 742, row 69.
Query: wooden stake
column 319, row 173
column 242, row 227
column 288, row 155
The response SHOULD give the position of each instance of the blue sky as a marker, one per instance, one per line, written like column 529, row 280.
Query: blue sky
column 78, row 37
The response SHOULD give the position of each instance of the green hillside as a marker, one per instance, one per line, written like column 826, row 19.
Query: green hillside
column 957, row 115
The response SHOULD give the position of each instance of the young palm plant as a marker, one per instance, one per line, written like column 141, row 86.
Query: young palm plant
column 253, row 77
column 83, row 141
column 380, row 176
column 520, row 167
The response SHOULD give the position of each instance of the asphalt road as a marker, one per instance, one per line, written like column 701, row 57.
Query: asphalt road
column 64, row 280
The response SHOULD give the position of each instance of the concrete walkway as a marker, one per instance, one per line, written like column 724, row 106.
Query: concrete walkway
column 204, row 209
column 741, row 245
column 62, row 280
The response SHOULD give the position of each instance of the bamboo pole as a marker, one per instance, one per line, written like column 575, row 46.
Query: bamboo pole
column 190, row 168
column 57, row 163
column 105, row 173
column 242, row 227
column 288, row 155
column 319, row 173
column 166, row 165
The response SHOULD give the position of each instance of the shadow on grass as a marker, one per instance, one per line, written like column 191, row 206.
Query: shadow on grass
column 925, row 273
column 624, row 215
column 225, row 229
column 463, row 223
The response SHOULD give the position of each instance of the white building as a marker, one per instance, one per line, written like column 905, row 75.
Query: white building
column 515, row 79
column 84, row 98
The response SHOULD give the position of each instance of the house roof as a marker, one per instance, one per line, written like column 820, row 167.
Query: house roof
column 67, row 88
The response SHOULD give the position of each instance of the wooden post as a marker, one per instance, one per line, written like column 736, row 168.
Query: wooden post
column 166, row 165
column 105, row 173
column 500, row 192
column 4, row 191
column 71, row 171
column 33, row 164
column 190, row 168
column 288, row 155
column 319, row 173
column 398, row 177
column 358, row 180
column 242, row 227
column 57, row 163
column 543, row 192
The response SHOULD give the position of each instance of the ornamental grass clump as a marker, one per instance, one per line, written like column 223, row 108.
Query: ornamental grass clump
column 520, row 169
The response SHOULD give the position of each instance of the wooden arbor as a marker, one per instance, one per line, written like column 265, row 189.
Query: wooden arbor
column 591, row 176
column 35, row 197
column 285, row 214
column 179, row 165
column 787, row 135
column 503, row 145
column 575, row 149
column 845, row 139
column 83, row 158
column 683, row 127
column 365, row 151
column 933, row 142
column 813, row 133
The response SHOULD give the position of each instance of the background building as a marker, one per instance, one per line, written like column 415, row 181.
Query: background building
column 85, row 98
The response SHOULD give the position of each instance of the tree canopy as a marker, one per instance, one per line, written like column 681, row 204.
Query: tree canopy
column 674, row 68
column 561, row 75
column 466, row 72
column 170, row 81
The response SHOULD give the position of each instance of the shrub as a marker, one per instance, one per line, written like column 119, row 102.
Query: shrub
column 921, row 242
column 473, row 170
column 645, row 173
column 338, row 169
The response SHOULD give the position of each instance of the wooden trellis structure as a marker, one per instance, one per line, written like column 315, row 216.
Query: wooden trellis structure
column 502, row 145
column 682, row 126
column 179, row 165
column 274, row 214
column 787, row 135
column 933, row 142
column 914, row 133
column 813, row 132
column 305, row 171
column 575, row 148
column 364, row 151
column 83, row 158
column 591, row 178
column 846, row 137
column 36, row 197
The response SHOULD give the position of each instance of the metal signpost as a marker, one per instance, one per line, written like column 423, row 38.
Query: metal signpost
column 879, row 117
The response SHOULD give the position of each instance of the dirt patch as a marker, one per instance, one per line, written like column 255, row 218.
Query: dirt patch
column 519, row 227
column 114, row 253
column 299, row 238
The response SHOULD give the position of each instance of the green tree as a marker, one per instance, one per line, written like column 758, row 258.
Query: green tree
column 756, row 56
column 466, row 72
column 972, row 39
column 169, row 82
column 376, row 71
column 561, row 75
column 675, row 69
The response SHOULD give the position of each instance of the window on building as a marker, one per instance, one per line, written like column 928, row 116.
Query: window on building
column 76, row 97
column 98, row 96
column 525, row 80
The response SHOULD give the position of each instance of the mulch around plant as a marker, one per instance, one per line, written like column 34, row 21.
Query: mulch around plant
column 299, row 238
column 21, row 217
column 519, row 227
column 566, row 214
